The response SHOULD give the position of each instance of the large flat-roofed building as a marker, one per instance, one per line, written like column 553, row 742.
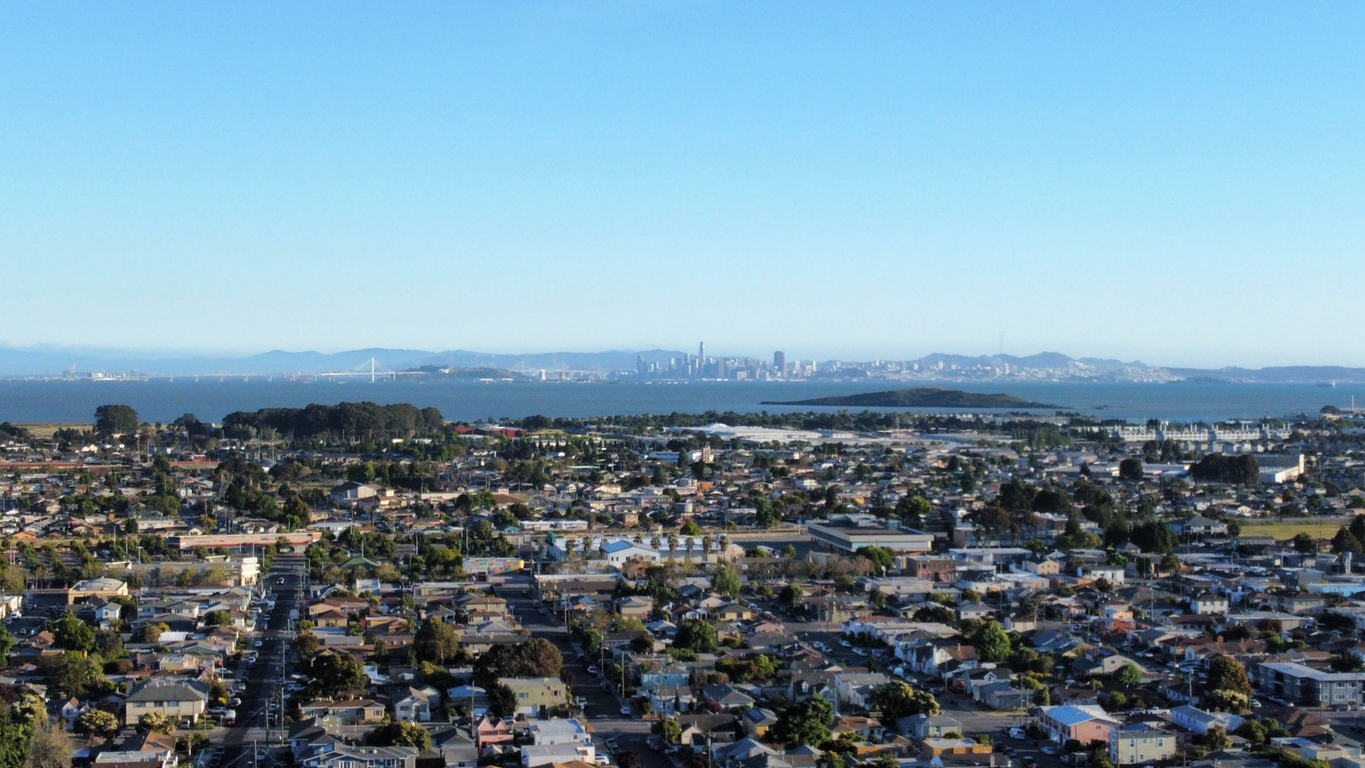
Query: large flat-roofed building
column 1306, row 686
column 240, row 540
column 850, row 537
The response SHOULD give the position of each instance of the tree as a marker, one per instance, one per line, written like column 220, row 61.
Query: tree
column 502, row 702
column 725, row 580
column 805, row 722
column 400, row 734
column 1216, row 738
column 435, row 641
column 97, row 722
column 72, row 634
column 113, row 420
column 535, row 658
column 912, row 510
column 792, row 595
column 48, row 746
column 667, row 729
column 74, row 672
column 1345, row 541
column 1170, row 563
column 6, row 645
column 882, row 558
column 1228, row 674
column 219, row 618
column 1305, row 544
column 155, row 722
column 1128, row 675
column 333, row 675
column 690, row 528
column 992, row 643
column 696, row 635
column 1130, row 469
column 897, row 699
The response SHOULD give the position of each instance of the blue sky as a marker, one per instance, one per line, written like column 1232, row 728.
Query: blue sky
column 1180, row 183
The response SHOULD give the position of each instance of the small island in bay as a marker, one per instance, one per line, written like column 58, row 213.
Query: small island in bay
column 922, row 397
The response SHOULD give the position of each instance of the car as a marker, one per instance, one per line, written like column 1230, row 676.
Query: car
column 258, row 643
column 1049, row 750
column 859, row 652
column 1255, row 703
column 592, row 669
column 234, row 702
column 1017, row 733
column 601, row 759
column 625, row 710
column 845, row 644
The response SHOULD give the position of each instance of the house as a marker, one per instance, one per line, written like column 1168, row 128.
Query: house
column 1084, row 723
column 728, row 696
column 1003, row 696
column 973, row 611
column 549, row 732
column 866, row 728
column 929, row 726
column 533, row 755
column 756, row 722
column 733, row 612
column 350, row 712
column 635, row 607
column 352, row 493
column 670, row 701
column 1198, row 527
column 856, row 688
column 416, row 705
column 1198, row 721
column 1136, row 743
column 538, row 696
column 178, row 700
column 1209, row 603
column 491, row 730
column 344, row 756
column 141, row 758
column 621, row 552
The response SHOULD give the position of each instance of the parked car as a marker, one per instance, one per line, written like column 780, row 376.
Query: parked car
column 1049, row 750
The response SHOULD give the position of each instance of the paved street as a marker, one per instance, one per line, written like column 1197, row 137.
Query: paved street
column 264, row 679
column 603, row 710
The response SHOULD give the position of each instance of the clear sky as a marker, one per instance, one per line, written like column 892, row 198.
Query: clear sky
column 1180, row 183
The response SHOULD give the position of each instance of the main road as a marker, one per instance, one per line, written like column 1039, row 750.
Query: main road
column 265, row 679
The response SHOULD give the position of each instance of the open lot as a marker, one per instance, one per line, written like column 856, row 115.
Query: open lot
column 1288, row 529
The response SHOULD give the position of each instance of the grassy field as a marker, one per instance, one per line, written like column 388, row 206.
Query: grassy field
column 45, row 430
column 1288, row 529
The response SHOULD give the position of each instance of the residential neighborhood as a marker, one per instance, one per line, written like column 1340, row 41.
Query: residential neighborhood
column 879, row 589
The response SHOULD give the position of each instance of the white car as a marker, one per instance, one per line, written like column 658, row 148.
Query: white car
column 592, row 669
column 625, row 710
column 1049, row 750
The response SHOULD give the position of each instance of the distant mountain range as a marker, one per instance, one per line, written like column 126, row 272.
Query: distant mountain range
column 52, row 361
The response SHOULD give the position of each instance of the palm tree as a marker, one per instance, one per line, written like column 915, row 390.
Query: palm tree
column 706, row 548
column 672, row 545
column 724, row 545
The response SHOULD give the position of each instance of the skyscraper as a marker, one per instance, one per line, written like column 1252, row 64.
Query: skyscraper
column 701, row 352
column 780, row 363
